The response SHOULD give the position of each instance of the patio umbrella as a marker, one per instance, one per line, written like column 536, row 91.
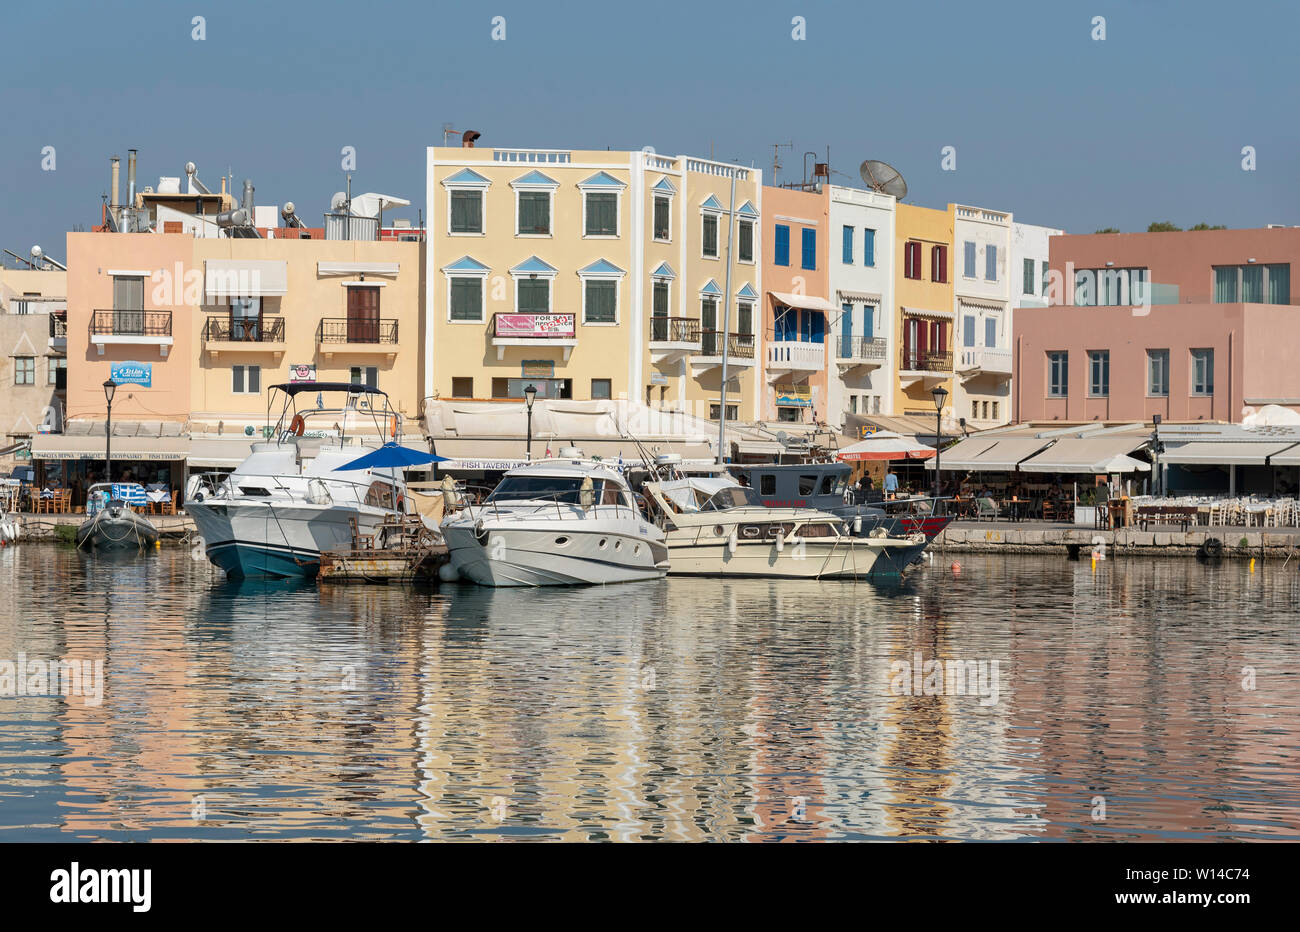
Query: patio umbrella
column 1122, row 463
column 392, row 456
column 885, row 445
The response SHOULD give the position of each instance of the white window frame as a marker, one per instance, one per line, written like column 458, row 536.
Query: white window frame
column 753, row 241
column 548, row 189
column 1193, row 354
column 1150, row 393
column 969, row 245
column 244, row 390
column 618, row 209
column 617, row 279
column 994, row 256
column 550, row 291
column 654, row 196
column 480, row 186
column 482, row 276
column 718, row 214
column 1094, row 357
column 54, row 365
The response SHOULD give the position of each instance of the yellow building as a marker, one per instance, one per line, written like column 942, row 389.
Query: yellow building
column 590, row 275
column 924, row 293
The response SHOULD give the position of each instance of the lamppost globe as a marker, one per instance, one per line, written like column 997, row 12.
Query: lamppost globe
column 110, row 389
column 530, row 395
column 940, row 396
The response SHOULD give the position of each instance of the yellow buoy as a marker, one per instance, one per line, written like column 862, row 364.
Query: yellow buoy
column 1252, row 564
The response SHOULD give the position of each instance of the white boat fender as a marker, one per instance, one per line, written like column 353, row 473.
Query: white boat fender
column 732, row 541
column 780, row 541
column 857, row 524
column 447, row 573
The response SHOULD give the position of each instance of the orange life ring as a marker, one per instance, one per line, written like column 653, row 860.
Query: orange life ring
column 297, row 426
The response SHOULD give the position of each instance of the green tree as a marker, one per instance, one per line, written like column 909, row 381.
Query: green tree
column 1109, row 230
column 1206, row 226
column 1164, row 226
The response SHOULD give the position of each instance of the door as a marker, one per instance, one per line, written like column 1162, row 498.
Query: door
column 363, row 315
column 128, row 304
column 846, row 331
column 709, row 327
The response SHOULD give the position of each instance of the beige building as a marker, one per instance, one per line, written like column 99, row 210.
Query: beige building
column 33, row 369
column 591, row 275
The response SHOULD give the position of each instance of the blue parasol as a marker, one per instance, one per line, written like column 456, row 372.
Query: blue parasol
column 392, row 456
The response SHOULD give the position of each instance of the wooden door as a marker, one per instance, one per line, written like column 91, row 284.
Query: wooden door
column 363, row 315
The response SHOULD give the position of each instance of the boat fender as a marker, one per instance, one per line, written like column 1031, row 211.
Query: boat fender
column 732, row 541
column 878, row 532
column 480, row 533
column 857, row 524
column 297, row 426
column 780, row 541
column 848, row 496
column 447, row 573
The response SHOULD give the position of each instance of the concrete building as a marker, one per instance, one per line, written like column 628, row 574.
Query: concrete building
column 33, row 336
column 1192, row 326
column 863, row 377
column 923, row 291
column 982, row 302
column 591, row 275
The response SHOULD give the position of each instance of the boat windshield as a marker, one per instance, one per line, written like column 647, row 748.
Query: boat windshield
column 737, row 496
column 549, row 488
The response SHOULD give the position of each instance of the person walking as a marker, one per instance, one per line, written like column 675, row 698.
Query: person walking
column 891, row 484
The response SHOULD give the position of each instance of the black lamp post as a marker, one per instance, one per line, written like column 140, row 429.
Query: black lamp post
column 940, row 395
column 530, row 395
column 110, row 389
column 1156, row 449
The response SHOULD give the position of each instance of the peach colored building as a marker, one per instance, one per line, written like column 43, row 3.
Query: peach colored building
column 1192, row 326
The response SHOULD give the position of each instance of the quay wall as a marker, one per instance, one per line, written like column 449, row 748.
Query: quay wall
column 172, row 529
column 1238, row 542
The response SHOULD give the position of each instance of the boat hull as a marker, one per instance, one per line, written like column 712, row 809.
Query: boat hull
column 127, row 531
column 513, row 556
column 853, row 558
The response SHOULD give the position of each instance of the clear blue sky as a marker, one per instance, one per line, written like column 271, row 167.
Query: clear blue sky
column 1061, row 129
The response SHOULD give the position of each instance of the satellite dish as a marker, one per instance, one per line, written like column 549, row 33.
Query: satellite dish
column 338, row 201
column 883, row 177
column 782, row 437
column 37, row 252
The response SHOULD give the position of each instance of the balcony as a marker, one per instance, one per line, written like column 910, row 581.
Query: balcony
column 131, row 328
column 860, row 352
column 788, row 357
column 975, row 362
column 740, row 351
column 929, row 367
column 357, row 336
column 227, row 334
column 550, row 330
column 58, row 333
column 673, row 338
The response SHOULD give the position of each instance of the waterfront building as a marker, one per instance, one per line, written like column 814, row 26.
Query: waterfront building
column 592, row 276
column 923, row 291
column 797, row 312
column 982, row 305
column 862, row 379
column 33, row 368
column 1191, row 326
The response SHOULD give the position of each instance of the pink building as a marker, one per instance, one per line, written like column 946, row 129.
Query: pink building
column 1195, row 325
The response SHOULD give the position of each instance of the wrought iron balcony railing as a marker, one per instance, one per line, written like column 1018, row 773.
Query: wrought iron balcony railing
column 357, row 330
column 674, row 330
column 245, row 329
column 131, row 323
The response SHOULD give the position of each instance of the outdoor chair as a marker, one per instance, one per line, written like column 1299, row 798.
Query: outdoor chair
column 986, row 508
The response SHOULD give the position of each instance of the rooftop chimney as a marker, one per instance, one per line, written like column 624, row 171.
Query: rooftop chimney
column 467, row 138
column 117, row 179
column 130, row 177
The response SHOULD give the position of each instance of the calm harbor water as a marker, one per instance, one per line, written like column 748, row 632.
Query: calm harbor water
column 676, row 710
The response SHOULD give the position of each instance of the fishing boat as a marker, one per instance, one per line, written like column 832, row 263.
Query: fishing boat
column 715, row 526
column 111, row 520
column 307, row 488
column 556, row 522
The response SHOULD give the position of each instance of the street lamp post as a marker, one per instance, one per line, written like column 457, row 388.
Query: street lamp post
column 110, row 389
column 1156, row 484
column 530, row 395
column 940, row 395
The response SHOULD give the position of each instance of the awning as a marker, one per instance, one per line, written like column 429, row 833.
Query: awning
column 808, row 302
column 496, row 453
column 759, row 448
column 992, row 454
column 65, row 447
column 356, row 268
column 885, row 445
column 218, row 452
column 245, row 278
column 928, row 314
column 1088, row 455
column 1222, row 452
column 1288, row 457
column 14, row 447
column 982, row 302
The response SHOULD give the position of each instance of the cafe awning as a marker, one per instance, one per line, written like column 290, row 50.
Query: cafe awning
column 808, row 302
column 1086, row 455
column 885, row 445
column 66, row 447
column 245, row 278
column 1288, row 457
column 497, row 453
column 990, row 454
column 1222, row 453
column 220, row 452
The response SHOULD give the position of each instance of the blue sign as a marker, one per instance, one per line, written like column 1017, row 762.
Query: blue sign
column 132, row 373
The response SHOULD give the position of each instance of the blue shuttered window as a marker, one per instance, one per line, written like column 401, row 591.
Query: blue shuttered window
column 848, row 245
column 782, row 240
column 868, row 247
column 809, row 249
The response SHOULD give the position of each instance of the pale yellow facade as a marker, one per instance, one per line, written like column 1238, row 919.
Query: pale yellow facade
column 923, row 291
column 563, row 299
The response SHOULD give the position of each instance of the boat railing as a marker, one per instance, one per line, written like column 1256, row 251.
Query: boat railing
column 576, row 511
column 226, row 485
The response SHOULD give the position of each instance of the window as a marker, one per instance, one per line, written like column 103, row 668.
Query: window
column 848, row 246
column 659, row 310
column 365, row 375
column 246, row 380
column 600, row 389
column 990, row 263
column 975, row 409
column 57, row 364
column 709, row 234
column 809, row 251
column 781, row 245
column 462, row 387
column 714, row 410
column 534, row 213
column 745, row 247
column 467, row 212
column 600, row 301
column 744, row 318
column 875, row 404
column 968, row 330
column 466, row 298
column 938, row 264
column 500, row 388
column 533, row 295
column 1099, row 373
column 601, row 211
column 1028, row 285
column 1158, row 373
column 1202, row 372
column 990, row 331
column 968, row 269
column 868, row 247
column 128, row 304
column 853, row 404
column 24, row 370
column 767, row 484
column 1058, row 374
column 1111, row 287
column 912, row 260
column 994, row 405
column 1256, row 284
column 663, row 219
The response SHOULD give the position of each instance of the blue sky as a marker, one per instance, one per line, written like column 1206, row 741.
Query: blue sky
column 1061, row 129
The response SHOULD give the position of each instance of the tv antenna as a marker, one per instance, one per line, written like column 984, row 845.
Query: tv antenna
column 776, row 156
column 883, row 177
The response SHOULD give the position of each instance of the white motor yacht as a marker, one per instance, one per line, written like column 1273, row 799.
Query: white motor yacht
column 717, row 527
column 293, row 498
column 556, row 522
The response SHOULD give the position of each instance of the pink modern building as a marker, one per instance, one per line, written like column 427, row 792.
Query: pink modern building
column 1196, row 325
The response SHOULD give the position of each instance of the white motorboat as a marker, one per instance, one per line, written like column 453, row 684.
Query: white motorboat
column 556, row 522
column 293, row 498
column 717, row 527
column 111, row 522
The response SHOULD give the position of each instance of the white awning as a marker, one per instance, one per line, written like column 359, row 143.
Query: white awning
column 1288, row 457
column 1222, row 452
column 214, row 452
column 356, row 268
column 994, row 454
column 1088, row 455
column 808, row 302
column 245, row 278
column 83, row 447
column 759, row 448
column 927, row 313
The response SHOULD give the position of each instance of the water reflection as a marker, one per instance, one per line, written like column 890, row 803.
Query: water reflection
column 674, row 710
